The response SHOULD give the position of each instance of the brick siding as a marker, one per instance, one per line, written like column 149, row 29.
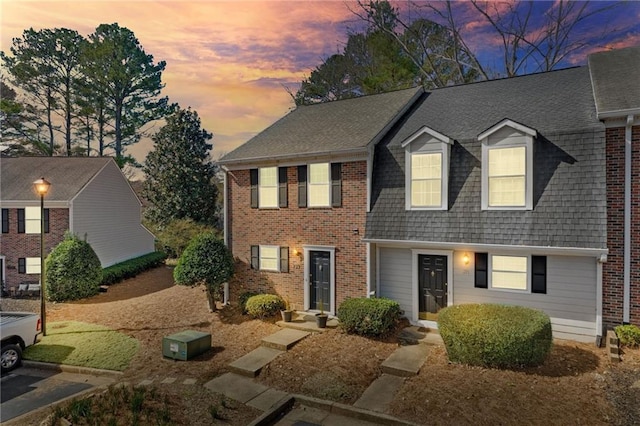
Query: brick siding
column 613, row 270
column 295, row 227
column 14, row 245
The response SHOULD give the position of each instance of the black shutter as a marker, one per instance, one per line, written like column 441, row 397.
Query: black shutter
column 336, row 185
column 284, row 259
column 539, row 274
column 21, row 221
column 255, row 257
column 5, row 221
column 46, row 221
column 254, row 188
column 282, row 187
column 302, row 186
column 22, row 265
column 482, row 267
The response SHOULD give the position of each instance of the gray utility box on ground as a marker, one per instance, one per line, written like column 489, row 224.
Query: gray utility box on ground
column 186, row 344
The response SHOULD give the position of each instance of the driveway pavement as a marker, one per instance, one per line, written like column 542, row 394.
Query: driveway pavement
column 28, row 389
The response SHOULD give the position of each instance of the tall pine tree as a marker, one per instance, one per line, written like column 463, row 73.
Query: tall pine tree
column 179, row 174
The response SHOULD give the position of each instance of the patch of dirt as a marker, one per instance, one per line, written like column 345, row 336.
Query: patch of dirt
column 577, row 384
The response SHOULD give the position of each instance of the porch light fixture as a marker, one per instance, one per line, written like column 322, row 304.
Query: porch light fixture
column 42, row 187
column 465, row 258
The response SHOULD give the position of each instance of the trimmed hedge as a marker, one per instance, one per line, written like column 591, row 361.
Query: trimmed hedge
column 629, row 335
column 73, row 271
column 132, row 267
column 369, row 316
column 491, row 335
column 264, row 305
column 242, row 300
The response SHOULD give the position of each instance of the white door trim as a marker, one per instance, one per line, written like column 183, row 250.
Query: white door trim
column 414, row 282
column 307, row 272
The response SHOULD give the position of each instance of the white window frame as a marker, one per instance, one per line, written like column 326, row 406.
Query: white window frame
column 261, row 250
column 32, row 265
column 261, row 199
column 498, row 137
column 526, row 290
column 310, row 184
column 427, row 141
column 32, row 217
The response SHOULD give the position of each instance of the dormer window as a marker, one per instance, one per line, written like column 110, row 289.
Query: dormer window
column 427, row 170
column 507, row 166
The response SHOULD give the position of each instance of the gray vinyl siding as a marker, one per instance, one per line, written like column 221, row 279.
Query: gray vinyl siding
column 396, row 277
column 107, row 212
column 570, row 300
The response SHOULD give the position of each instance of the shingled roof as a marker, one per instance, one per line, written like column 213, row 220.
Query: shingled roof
column 569, row 196
column 68, row 175
column 332, row 127
column 616, row 86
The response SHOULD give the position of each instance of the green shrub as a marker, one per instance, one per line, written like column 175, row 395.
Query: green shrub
column 73, row 271
column 174, row 237
column 369, row 316
column 495, row 335
column 132, row 267
column 242, row 300
column 205, row 261
column 264, row 305
column 629, row 335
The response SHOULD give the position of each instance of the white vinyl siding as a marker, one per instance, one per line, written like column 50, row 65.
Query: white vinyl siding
column 507, row 177
column 396, row 277
column 268, row 187
column 107, row 213
column 426, row 180
column 319, row 185
column 32, row 217
column 509, row 272
column 32, row 265
column 269, row 258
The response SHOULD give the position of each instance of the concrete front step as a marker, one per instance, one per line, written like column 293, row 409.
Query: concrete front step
column 284, row 339
column 414, row 335
column 405, row 361
column 307, row 322
column 379, row 395
column 251, row 364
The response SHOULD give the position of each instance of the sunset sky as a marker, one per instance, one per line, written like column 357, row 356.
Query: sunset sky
column 229, row 60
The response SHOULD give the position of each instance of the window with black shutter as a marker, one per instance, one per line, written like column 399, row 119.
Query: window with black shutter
column 5, row 221
column 284, row 259
column 302, row 186
column 255, row 257
column 282, row 187
column 22, row 265
column 21, row 222
column 481, row 270
column 539, row 274
column 46, row 221
column 336, row 184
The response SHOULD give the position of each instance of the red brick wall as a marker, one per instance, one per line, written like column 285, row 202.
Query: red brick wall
column 613, row 270
column 14, row 245
column 294, row 227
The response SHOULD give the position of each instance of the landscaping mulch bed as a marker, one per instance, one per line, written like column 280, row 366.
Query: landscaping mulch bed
column 577, row 384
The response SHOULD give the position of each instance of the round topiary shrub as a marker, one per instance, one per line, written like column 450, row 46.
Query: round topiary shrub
column 368, row 316
column 206, row 260
column 73, row 271
column 491, row 335
column 264, row 305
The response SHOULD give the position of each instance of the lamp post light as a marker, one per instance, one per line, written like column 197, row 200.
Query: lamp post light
column 42, row 187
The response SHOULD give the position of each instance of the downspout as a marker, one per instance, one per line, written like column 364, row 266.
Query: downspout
column 225, row 227
column 626, row 301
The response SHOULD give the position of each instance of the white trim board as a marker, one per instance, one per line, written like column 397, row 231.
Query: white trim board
column 307, row 273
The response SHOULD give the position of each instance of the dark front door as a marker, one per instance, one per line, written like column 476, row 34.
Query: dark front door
column 320, row 280
column 432, row 284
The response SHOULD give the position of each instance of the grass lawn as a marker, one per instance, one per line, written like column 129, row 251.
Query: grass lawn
column 85, row 345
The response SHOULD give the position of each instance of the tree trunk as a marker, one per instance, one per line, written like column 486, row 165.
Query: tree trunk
column 211, row 299
column 118, row 129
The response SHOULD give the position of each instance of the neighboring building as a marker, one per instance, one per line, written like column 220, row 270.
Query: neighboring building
column 616, row 87
column 89, row 196
column 507, row 191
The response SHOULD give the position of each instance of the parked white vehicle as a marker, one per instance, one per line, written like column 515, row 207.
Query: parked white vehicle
column 17, row 330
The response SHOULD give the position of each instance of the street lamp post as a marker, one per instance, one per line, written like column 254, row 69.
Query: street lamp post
column 42, row 187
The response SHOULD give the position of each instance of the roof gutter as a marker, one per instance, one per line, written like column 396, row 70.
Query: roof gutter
column 630, row 112
column 275, row 159
column 626, row 301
